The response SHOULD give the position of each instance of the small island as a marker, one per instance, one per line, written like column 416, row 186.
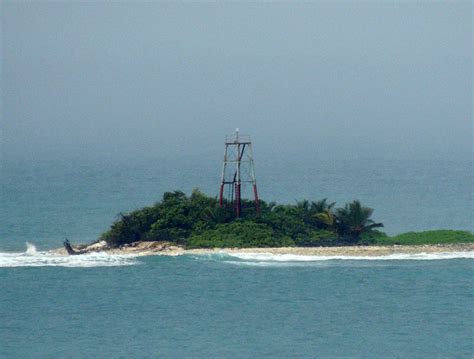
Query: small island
column 180, row 223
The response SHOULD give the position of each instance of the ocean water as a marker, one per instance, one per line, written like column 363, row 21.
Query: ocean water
column 231, row 306
column 43, row 201
column 235, row 306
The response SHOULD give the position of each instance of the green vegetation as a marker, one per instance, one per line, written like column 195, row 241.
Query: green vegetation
column 197, row 221
column 239, row 234
column 428, row 237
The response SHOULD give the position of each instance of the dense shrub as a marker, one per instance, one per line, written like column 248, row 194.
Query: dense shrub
column 198, row 221
column 239, row 234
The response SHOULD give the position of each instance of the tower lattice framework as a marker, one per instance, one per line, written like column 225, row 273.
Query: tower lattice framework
column 238, row 172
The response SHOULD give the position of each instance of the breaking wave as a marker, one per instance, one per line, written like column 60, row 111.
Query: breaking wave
column 33, row 258
column 294, row 260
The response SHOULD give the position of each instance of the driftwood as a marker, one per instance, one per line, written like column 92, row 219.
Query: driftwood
column 71, row 250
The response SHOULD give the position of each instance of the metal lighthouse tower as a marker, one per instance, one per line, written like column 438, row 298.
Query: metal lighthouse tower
column 238, row 173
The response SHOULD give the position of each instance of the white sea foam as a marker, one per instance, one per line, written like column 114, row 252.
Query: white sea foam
column 33, row 258
column 287, row 260
column 279, row 264
column 31, row 249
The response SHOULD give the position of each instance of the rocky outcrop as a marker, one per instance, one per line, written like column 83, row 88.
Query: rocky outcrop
column 136, row 248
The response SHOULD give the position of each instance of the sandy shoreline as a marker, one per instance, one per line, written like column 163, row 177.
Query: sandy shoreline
column 169, row 249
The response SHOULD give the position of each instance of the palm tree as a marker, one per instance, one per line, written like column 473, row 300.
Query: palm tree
column 353, row 219
column 326, row 219
column 323, row 214
column 303, row 205
column 304, row 209
column 321, row 205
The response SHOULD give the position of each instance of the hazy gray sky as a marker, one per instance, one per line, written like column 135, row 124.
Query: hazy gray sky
column 130, row 78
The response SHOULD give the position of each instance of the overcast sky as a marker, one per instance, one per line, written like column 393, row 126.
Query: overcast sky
column 114, row 79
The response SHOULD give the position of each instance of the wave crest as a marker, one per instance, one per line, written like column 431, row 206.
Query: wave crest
column 292, row 260
column 33, row 258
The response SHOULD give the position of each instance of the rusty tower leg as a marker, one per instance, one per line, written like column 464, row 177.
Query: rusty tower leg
column 237, row 170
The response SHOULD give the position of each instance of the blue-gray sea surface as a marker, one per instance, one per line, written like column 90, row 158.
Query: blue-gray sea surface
column 44, row 201
column 227, row 306
column 221, row 306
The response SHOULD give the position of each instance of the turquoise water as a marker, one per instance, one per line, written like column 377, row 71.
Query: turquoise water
column 45, row 201
column 222, row 306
